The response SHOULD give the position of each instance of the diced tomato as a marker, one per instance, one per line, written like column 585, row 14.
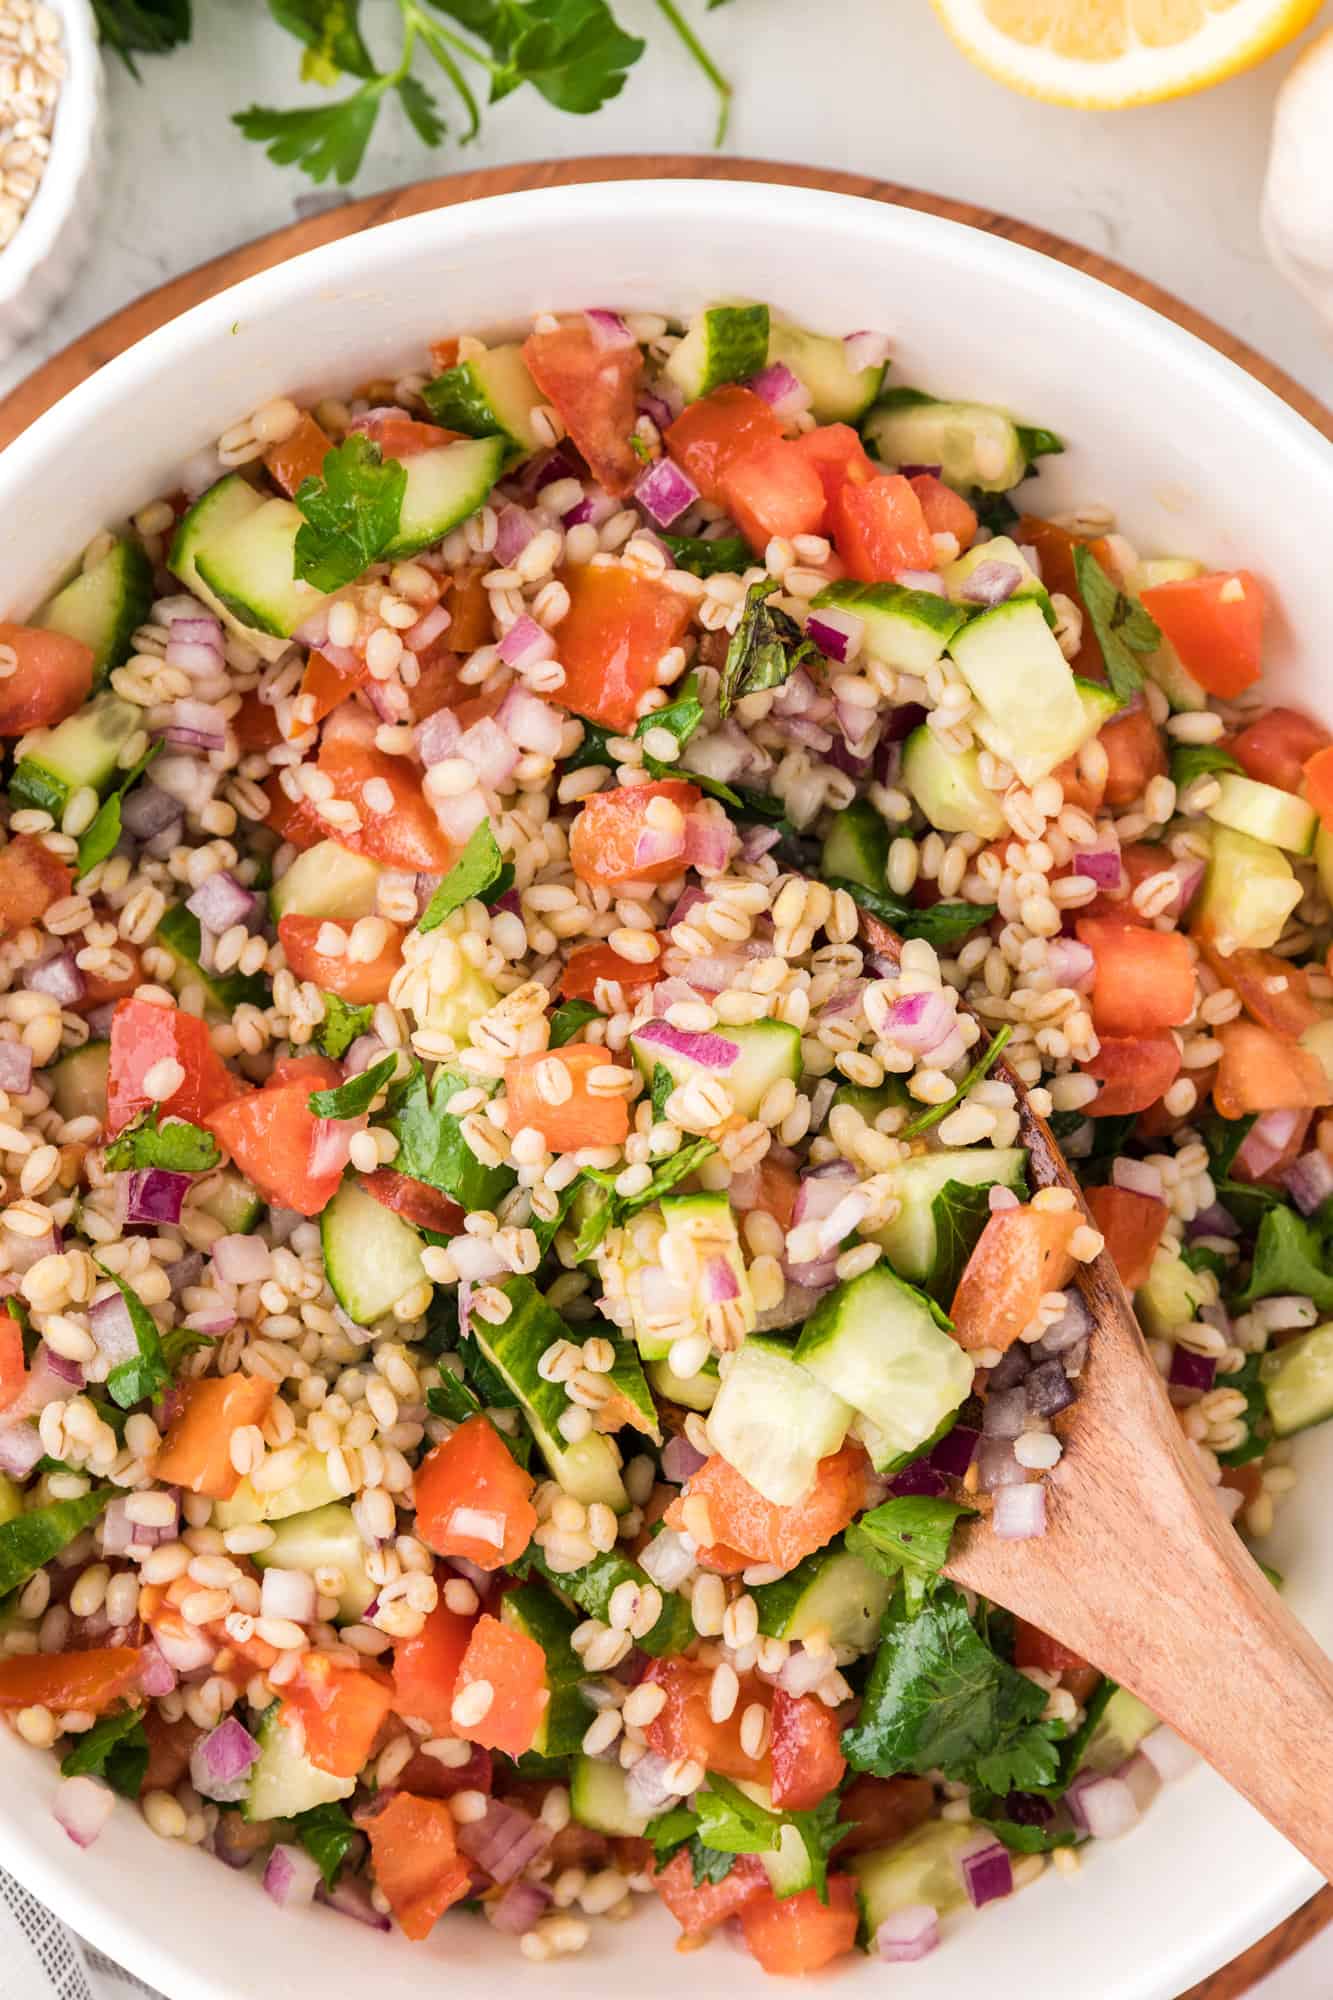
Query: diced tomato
column 684, row 1726
column 1142, row 979
column 416, row 1201
column 837, row 454
column 444, row 353
column 473, row 1499
column 13, row 1369
column 1216, row 624
column 1274, row 991
column 1021, row 1254
column 437, row 685
column 700, row 1907
column 1247, row 1480
column 594, row 391
column 1134, row 1072
column 339, row 1708
column 405, row 834
column 797, row 1934
column 415, row 1857
column 1055, row 548
column 328, row 686
column 1079, row 789
column 1135, row 754
column 315, row 1071
column 1132, row 1224
column 514, row 1668
column 716, row 432
column 1035, row 1648
column 54, row 676
column 196, row 1452
column 255, row 724
column 425, row 1670
column 774, row 491
column 581, row 1118
column 807, row 1762
column 879, row 528
column 1275, row 749
column 880, row 1811
column 470, row 621
column 430, row 1779
column 300, row 456
column 1259, row 1071
column 293, row 1158
column 291, row 819
column 616, row 630
column 143, row 1036
column 91, row 1679
column 778, row 1187
column 356, row 979
column 400, row 436
column 590, row 962
column 742, row 1520
column 1138, row 861
column 31, row 879
column 1319, row 784
column 604, row 840
column 946, row 512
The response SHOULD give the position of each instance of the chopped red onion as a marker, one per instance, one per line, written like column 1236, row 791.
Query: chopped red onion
column 608, row 329
column 83, row 1806
column 438, row 737
column 1020, row 1513
column 708, row 841
column 291, row 1876
column 186, row 1271
column 865, row 349
column 1071, row 963
column 1309, row 1181
column 838, row 634
column 1170, row 1756
column 775, row 385
column 220, row 1762
column 331, row 1144
column 1141, row 1776
column 920, row 1478
column 364, row 1051
column 991, row 583
column 25, row 1251
column 1010, row 1370
column 710, row 1051
column 20, row 1448
column 221, row 901
column 490, row 753
column 431, row 625
column 1073, row 1325
column 562, row 462
column 665, row 492
column 727, row 753
column 800, row 730
column 350, row 1896
column 59, row 977
column 15, row 1068
column 798, row 695
column 1103, row 1806
column 667, row 1559
column 908, row 1934
column 1100, row 864
column 513, row 531
column 153, row 1194
column 526, row 644
column 520, row 1906
column 921, row 1021
column 921, row 579
column 987, row 1872
column 590, row 511
column 505, row 1840
column 482, row 1580
column 955, row 1451
column 1005, row 1414
column 680, row 1460
column 997, row 1468
column 197, row 725
column 530, row 722
column 241, row 1260
column 1049, row 1390
column 720, row 1282
column 1213, row 1221
column 652, row 403
column 1192, row 1371
column 157, row 1676
column 756, row 841
column 1189, row 874
column 288, row 1593
column 1272, row 1134
column 1138, row 1176
column 68, row 1371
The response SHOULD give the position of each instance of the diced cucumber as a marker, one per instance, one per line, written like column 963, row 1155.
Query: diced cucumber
column 892, row 1094
column 923, row 1868
column 724, row 344
column 308, row 1489
column 82, row 750
column 839, row 393
column 1000, row 548
column 1298, row 1377
column 327, row 1538
column 490, row 395
column 11, row 1500
column 1249, row 892
column 444, row 486
column 773, row 1421
column 229, row 1198
column 947, row 786
column 179, row 932
column 692, row 1392
column 972, row 443
column 767, row 1052
column 856, row 847
column 1172, row 1294
column 909, row 1241
column 1185, row 694
column 905, row 629
column 1323, row 859
column 533, row 1611
column 1264, row 812
column 1122, row 1726
column 877, row 1342
column 251, row 570
column 327, row 880
column 453, row 1010
column 213, row 514
column 1030, row 712
column 78, row 1082
column 589, row 1470
column 283, row 1780
column 788, row 1866
column 1318, row 1039
column 702, row 1228
column 832, row 1592
column 1099, row 704
column 104, row 606
column 592, row 1588
column 372, row 1257
column 599, row 1798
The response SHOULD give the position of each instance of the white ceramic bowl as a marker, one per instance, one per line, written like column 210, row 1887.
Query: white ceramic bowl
column 52, row 242
column 1198, row 459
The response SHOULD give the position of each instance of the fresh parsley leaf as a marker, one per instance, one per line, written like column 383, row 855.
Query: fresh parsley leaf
column 573, row 51
column 1290, row 1256
column 331, row 35
column 619, row 1208
column 351, row 511
column 943, row 925
column 732, row 1824
column 671, row 1830
column 1224, row 1138
column 115, row 1748
column 1073, row 1747
column 31, row 1539
column 959, row 1214
column 350, row 1099
column 682, row 716
column 1120, row 623
column 477, row 874
column 1247, row 1201
column 1248, row 1378
column 421, row 109
column 142, row 27
column 1036, row 442
column 452, row 1399
column 724, row 555
column 1036, row 1833
column 431, row 1146
column 144, row 1374
column 995, row 511
column 320, row 139
column 663, row 1084
column 910, row 1537
column 178, row 1146
column 103, row 831
column 1196, row 760
column 592, row 750
column 341, row 1026
column 765, row 650
column 569, row 1020
column 708, row 1864
column 545, row 1228
column 327, row 1834
column 1200, row 1259
column 981, row 1068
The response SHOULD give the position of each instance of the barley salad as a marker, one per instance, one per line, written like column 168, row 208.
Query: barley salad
column 506, row 1293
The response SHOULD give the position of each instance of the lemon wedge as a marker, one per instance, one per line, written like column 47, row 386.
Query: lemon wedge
column 1106, row 54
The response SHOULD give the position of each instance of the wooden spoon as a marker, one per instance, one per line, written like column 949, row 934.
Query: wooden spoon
column 1141, row 1573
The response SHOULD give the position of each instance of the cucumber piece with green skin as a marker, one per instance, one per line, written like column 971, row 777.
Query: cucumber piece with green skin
column 1298, row 1378
column 534, row 1612
column 1000, row 548
column 839, row 393
column 1029, row 711
column 692, row 1392
column 891, row 1095
column 327, row 1538
column 82, row 750
column 768, row 1051
column 251, row 570
column 283, row 1780
column 724, row 344
column 1249, row 892
column 11, row 1500
column 877, row 1342
column 489, row 395
column 788, row 1866
column 588, row 1470
column 104, row 606
column 213, row 514
column 1099, row 704
column 327, row 880
column 599, row 1798
column 908, row 630
column 773, row 1421
column 230, row 1200
column 705, row 1223
column 308, row 1490
column 592, row 1588
column 832, row 1592
column 909, row 1241
column 1323, row 859
column 973, row 444
column 856, row 848
column 947, row 786
column 445, row 485
column 1122, row 1726
column 1264, row 812
column 179, row 932
column 372, row 1257
column 1172, row 1294
column 923, row 1868
column 1185, row 694
column 78, row 1082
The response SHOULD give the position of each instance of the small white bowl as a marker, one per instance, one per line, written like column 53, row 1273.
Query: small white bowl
column 42, row 259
